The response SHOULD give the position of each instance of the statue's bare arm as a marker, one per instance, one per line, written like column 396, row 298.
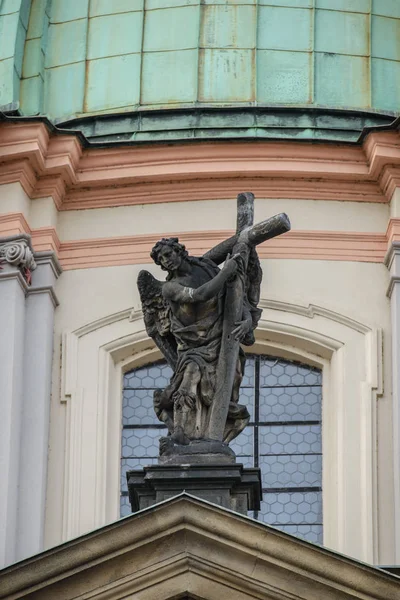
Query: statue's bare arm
column 182, row 294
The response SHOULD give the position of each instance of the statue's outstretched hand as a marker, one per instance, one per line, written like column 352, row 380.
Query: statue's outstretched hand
column 231, row 264
column 241, row 329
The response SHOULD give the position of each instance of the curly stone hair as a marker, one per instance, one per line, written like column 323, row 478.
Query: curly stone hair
column 172, row 243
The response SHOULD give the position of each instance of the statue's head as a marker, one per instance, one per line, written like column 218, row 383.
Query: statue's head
column 169, row 253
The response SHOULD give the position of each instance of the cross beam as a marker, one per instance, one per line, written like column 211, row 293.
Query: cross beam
column 247, row 235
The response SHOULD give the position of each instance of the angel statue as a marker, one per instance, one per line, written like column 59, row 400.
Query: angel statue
column 198, row 318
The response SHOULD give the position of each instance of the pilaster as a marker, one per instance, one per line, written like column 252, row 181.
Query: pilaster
column 41, row 302
column 16, row 266
column 392, row 261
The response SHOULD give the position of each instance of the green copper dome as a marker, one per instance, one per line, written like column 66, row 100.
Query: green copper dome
column 175, row 69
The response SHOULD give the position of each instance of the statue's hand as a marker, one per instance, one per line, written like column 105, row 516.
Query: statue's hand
column 231, row 264
column 241, row 330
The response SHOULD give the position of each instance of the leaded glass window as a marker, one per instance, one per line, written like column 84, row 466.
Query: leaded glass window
column 283, row 437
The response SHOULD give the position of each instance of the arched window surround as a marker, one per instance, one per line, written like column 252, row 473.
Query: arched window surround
column 348, row 352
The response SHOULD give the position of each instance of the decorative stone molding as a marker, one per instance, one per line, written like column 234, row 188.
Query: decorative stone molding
column 17, row 252
column 185, row 545
column 390, row 262
column 47, row 164
column 129, row 250
column 95, row 356
column 299, row 245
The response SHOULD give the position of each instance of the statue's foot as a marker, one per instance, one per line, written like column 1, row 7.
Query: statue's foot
column 179, row 437
column 165, row 444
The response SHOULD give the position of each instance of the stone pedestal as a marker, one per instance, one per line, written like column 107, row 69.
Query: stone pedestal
column 228, row 485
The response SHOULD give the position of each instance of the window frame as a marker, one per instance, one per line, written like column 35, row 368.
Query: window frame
column 94, row 358
column 255, row 365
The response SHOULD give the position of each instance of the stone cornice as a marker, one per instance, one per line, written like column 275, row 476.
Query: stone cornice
column 44, row 290
column 22, row 238
column 9, row 275
column 47, row 164
column 393, row 250
column 188, row 535
column 394, row 268
column 49, row 257
column 392, row 283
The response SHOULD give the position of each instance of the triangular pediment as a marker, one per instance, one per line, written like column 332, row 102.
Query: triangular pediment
column 188, row 549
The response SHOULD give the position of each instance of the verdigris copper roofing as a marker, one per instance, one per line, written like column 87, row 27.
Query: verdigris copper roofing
column 84, row 58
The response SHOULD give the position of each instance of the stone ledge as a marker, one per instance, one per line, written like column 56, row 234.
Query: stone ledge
column 228, row 485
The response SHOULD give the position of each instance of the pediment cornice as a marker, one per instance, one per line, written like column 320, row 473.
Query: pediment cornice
column 188, row 546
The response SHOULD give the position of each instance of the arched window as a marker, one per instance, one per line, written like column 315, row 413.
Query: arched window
column 283, row 437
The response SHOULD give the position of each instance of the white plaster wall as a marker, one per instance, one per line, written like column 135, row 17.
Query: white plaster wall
column 43, row 213
column 14, row 199
column 217, row 215
column 351, row 290
column 40, row 212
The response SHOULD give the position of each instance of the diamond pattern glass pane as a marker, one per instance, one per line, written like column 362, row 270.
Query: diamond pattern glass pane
column 290, row 470
column 246, row 397
column 248, row 377
column 291, row 508
column 311, row 533
column 125, row 507
column 277, row 372
column 290, row 439
column 290, row 404
column 138, row 408
column 283, row 437
column 243, row 445
column 154, row 376
column 140, row 443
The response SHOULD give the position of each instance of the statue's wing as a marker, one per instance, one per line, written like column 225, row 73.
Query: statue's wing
column 253, row 286
column 156, row 314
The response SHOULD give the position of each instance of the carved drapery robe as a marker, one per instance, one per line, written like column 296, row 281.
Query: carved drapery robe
column 200, row 343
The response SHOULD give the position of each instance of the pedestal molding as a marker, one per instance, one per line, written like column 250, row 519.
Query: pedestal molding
column 49, row 257
column 15, row 275
column 44, row 290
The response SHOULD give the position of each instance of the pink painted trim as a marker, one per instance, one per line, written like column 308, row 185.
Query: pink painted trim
column 13, row 224
column 129, row 250
column 43, row 238
column 46, row 238
column 304, row 245
column 57, row 166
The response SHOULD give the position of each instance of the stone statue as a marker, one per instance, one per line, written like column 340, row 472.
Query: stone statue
column 198, row 318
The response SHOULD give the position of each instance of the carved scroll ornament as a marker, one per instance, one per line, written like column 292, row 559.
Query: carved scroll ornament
column 18, row 254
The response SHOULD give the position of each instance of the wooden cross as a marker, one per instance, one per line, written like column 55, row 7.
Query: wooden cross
column 247, row 235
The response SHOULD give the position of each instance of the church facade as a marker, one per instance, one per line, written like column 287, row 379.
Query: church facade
column 127, row 121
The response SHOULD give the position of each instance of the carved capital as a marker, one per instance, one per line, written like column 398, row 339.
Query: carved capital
column 17, row 253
